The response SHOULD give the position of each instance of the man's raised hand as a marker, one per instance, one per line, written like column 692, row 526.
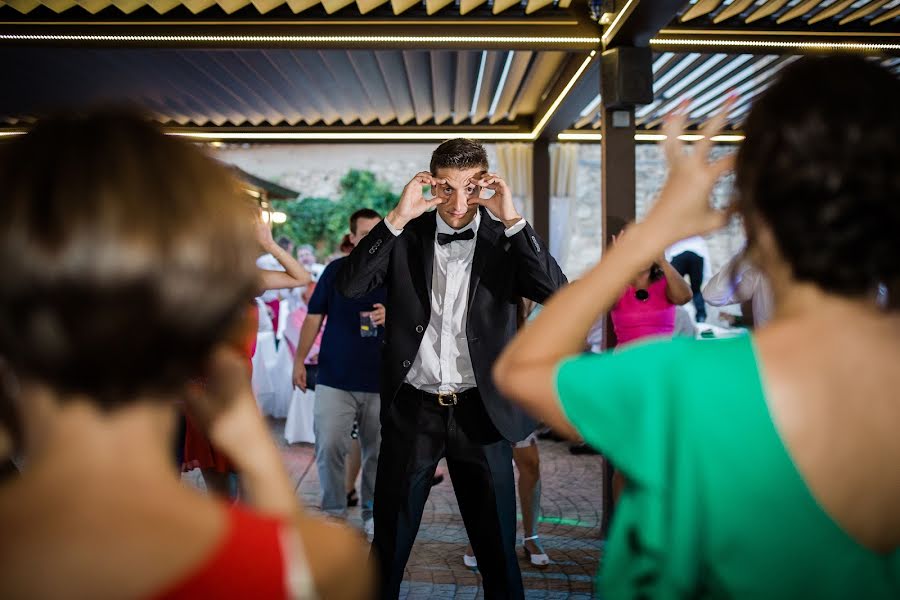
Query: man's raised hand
column 501, row 203
column 413, row 202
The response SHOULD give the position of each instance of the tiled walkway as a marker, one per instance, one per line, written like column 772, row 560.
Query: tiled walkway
column 570, row 530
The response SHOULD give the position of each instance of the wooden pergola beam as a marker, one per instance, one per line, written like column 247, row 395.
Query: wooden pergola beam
column 636, row 21
column 584, row 90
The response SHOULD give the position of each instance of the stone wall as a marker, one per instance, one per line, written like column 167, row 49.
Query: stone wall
column 651, row 172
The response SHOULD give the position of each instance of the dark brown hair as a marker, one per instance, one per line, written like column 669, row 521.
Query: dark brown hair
column 819, row 167
column 458, row 153
column 363, row 213
column 125, row 256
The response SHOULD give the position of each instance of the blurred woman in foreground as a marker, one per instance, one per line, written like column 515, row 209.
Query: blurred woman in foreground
column 126, row 259
column 758, row 467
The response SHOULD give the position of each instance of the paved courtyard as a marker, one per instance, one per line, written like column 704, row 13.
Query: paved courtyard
column 570, row 529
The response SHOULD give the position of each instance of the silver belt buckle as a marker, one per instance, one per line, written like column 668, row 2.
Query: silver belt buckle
column 447, row 398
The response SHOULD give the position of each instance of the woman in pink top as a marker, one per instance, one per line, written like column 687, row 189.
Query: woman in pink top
column 647, row 307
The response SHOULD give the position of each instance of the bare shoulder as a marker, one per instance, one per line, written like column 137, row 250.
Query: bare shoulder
column 832, row 394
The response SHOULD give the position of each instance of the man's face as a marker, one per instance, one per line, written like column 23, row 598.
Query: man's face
column 456, row 193
column 363, row 227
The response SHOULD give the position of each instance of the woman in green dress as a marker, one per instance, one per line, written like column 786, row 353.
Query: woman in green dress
column 777, row 476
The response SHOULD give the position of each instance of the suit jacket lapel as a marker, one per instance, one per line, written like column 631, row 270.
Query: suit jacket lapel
column 424, row 251
column 488, row 233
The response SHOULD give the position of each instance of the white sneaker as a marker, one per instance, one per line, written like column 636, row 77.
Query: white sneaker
column 369, row 526
column 470, row 561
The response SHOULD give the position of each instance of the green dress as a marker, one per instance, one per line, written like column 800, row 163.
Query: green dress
column 714, row 506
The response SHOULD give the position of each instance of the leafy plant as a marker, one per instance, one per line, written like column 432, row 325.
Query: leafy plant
column 322, row 222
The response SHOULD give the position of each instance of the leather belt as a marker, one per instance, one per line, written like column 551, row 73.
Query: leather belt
column 447, row 398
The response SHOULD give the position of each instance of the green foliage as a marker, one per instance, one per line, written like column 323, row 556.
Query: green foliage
column 322, row 222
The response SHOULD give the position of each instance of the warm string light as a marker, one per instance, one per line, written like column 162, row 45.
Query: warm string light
column 824, row 46
column 284, row 136
column 314, row 39
column 613, row 27
column 344, row 136
column 540, row 126
column 649, row 137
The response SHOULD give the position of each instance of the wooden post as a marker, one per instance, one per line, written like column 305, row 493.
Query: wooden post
column 541, row 188
column 618, row 202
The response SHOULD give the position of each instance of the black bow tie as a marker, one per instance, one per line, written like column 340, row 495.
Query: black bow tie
column 445, row 238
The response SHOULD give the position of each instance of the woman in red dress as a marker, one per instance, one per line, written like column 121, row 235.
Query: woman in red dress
column 125, row 260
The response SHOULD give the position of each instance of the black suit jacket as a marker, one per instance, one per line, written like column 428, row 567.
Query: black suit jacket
column 503, row 269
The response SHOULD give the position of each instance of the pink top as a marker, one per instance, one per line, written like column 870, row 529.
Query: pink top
column 633, row 319
column 292, row 335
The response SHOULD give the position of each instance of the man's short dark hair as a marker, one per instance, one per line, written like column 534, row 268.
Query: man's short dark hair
column 363, row 213
column 459, row 153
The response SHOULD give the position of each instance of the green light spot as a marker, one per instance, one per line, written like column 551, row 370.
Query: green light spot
column 562, row 521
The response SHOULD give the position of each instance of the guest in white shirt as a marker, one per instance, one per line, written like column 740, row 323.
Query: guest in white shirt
column 739, row 282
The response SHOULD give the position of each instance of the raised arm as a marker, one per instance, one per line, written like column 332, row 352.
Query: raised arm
column 367, row 266
column 677, row 289
column 334, row 555
column 526, row 370
column 294, row 274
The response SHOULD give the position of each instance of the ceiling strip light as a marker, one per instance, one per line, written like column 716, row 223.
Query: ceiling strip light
column 260, row 136
column 488, row 135
column 648, row 137
column 317, row 39
column 614, row 26
column 562, row 96
column 771, row 32
column 825, row 46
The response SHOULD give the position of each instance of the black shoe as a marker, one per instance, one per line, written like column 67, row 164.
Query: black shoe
column 437, row 479
column 582, row 449
column 352, row 498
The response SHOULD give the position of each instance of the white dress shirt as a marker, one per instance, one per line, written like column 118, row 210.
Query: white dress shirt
column 443, row 363
column 742, row 284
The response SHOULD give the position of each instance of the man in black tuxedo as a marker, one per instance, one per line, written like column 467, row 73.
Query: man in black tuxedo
column 454, row 276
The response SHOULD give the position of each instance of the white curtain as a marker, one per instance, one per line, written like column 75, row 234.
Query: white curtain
column 514, row 163
column 563, row 171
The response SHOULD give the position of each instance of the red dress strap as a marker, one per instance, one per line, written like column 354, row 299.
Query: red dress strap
column 249, row 563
